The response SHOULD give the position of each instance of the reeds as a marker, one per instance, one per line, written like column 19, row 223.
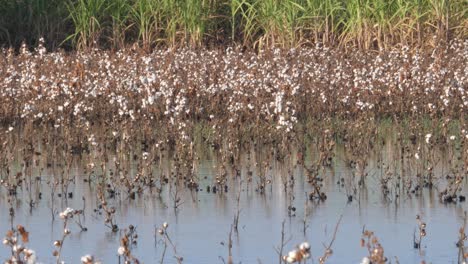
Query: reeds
column 87, row 17
column 366, row 24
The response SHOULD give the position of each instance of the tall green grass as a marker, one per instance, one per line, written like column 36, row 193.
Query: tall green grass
column 186, row 22
column 145, row 18
column 87, row 17
column 367, row 24
column 324, row 20
column 119, row 12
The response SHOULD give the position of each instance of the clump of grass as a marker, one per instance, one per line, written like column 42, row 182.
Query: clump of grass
column 194, row 19
column 120, row 13
column 146, row 18
column 87, row 17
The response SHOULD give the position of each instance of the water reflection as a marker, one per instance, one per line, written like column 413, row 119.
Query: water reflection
column 201, row 225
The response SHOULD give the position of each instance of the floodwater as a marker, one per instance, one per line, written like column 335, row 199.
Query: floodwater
column 201, row 225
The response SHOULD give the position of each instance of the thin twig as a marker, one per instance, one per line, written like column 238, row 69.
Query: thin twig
column 328, row 251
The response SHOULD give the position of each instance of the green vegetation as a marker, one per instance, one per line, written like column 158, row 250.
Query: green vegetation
column 365, row 24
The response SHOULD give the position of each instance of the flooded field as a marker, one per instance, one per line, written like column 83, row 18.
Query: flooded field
column 211, row 197
column 312, row 155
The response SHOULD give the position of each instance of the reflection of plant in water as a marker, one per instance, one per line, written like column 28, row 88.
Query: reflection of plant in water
column 53, row 187
column 449, row 194
column 417, row 239
column 109, row 212
column 175, row 195
column 283, row 243
column 385, row 180
column 457, row 171
column 316, row 182
column 162, row 231
column 360, row 140
column 135, row 169
column 238, row 209
column 328, row 248
column 462, row 251
column 132, row 234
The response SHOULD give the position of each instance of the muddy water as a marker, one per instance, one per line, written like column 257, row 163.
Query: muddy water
column 201, row 225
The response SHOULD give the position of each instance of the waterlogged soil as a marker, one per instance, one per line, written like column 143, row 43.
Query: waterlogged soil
column 200, row 226
column 301, row 136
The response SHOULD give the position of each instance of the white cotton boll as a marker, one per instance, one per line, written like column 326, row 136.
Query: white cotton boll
column 365, row 260
column 62, row 215
column 30, row 256
column 304, row 246
column 69, row 210
column 150, row 100
column 428, row 138
column 121, row 251
column 87, row 259
column 18, row 248
column 293, row 255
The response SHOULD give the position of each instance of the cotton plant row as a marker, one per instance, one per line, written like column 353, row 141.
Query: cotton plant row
column 274, row 88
